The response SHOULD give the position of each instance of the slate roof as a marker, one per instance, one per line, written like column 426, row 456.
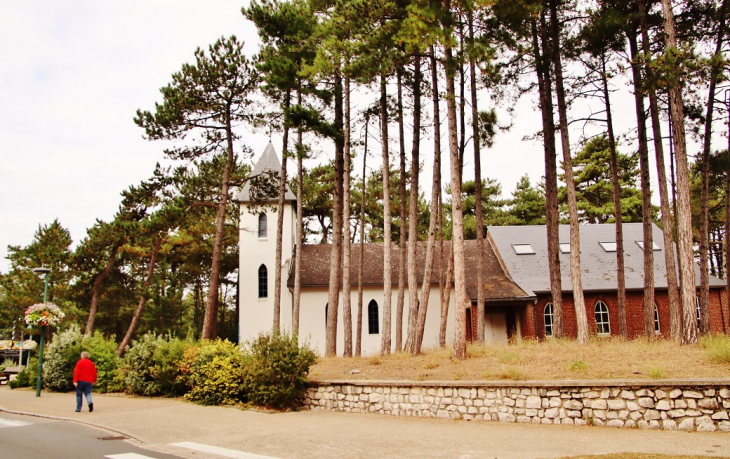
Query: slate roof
column 598, row 267
column 497, row 285
column 268, row 164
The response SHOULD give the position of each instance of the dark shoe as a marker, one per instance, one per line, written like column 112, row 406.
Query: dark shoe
column 91, row 407
column 78, row 411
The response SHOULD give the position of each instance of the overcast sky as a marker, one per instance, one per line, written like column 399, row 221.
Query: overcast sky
column 73, row 75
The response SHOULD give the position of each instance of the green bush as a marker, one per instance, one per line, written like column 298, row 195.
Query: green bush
column 60, row 357
column 27, row 377
column 103, row 352
column 136, row 368
column 717, row 348
column 166, row 372
column 213, row 373
column 276, row 375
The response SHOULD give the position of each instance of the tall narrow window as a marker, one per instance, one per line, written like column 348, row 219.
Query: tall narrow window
column 657, row 329
column 326, row 312
column 548, row 315
column 262, row 226
column 263, row 282
column 373, row 322
column 603, row 325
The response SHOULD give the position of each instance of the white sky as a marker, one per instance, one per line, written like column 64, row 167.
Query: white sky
column 73, row 75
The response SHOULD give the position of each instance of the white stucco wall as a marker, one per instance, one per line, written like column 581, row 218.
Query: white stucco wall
column 312, row 319
column 257, row 314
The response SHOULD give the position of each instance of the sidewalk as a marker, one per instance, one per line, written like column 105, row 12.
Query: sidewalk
column 158, row 422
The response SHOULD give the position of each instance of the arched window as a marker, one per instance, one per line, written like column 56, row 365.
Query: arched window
column 603, row 325
column 262, row 226
column 657, row 328
column 548, row 315
column 263, row 282
column 373, row 322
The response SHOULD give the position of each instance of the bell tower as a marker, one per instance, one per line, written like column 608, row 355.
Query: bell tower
column 257, row 248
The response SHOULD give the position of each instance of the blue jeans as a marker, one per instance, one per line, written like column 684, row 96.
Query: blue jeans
column 83, row 387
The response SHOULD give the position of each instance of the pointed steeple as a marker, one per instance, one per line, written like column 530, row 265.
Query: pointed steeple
column 268, row 164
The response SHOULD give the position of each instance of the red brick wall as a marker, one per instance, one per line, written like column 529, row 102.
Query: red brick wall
column 719, row 314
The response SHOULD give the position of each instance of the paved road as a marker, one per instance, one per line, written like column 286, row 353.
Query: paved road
column 39, row 438
column 163, row 424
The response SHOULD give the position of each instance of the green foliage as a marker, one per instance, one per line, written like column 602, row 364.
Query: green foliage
column 214, row 373
column 6, row 363
column 656, row 373
column 578, row 365
column 60, row 359
column 102, row 351
column 27, row 377
column 717, row 348
column 20, row 287
column 594, row 188
column 168, row 357
column 277, row 371
column 138, row 365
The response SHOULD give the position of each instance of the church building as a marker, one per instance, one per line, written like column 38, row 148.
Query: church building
column 516, row 280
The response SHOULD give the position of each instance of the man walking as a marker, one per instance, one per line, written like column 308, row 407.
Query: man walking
column 84, row 380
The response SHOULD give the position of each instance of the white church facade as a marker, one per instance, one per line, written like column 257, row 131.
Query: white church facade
column 516, row 284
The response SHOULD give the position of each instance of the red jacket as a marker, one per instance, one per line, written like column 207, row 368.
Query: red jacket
column 85, row 371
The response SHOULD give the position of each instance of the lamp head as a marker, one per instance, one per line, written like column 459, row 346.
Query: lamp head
column 41, row 270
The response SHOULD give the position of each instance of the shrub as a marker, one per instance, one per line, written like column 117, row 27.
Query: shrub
column 717, row 348
column 27, row 377
column 166, row 372
column 277, row 372
column 578, row 365
column 103, row 352
column 213, row 372
column 7, row 363
column 136, row 368
column 60, row 358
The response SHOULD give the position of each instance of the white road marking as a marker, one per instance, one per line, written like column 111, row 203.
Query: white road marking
column 11, row 423
column 225, row 452
column 128, row 456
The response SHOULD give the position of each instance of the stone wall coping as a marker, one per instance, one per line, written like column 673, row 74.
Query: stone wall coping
column 678, row 382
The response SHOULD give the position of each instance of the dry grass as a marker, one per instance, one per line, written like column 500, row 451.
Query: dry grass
column 637, row 456
column 553, row 360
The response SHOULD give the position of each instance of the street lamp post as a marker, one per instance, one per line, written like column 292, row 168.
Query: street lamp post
column 45, row 272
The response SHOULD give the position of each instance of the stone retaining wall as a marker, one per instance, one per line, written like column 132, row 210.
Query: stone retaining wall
column 701, row 405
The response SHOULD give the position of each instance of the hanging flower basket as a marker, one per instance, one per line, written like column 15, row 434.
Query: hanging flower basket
column 43, row 314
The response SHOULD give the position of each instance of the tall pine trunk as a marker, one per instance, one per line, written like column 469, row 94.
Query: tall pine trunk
column 433, row 221
column 684, row 210
column 142, row 299
column 620, row 267
column 413, row 304
column 346, row 243
column 645, row 190
column 361, row 261
column 300, row 229
column 705, row 211
column 96, row 289
column 551, row 176
column 280, row 217
column 403, row 222
column 675, row 321
column 461, row 300
column 211, row 308
column 478, row 192
column 385, row 343
column 575, row 272
column 336, row 251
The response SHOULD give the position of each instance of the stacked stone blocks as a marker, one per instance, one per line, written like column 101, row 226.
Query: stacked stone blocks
column 687, row 408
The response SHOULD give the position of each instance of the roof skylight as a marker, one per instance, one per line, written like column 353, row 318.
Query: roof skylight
column 523, row 249
column 654, row 246
column 608, row 246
